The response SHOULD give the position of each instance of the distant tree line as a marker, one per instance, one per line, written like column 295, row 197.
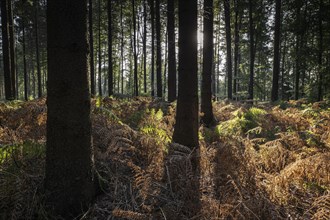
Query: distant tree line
column 262, row 50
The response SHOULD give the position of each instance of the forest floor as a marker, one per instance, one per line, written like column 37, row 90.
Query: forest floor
column 260, row 162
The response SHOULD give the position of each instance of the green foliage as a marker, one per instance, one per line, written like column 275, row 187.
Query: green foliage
column 98, row 102
column 158, row 133
column 109, row 114
column 26, row 150
column 242, row 122
column 310, row 112
column 15, row 104
column 152, row 126
column 136, row 118
column 284, row 105
column 312, row 139
column 313, row 186
column 22, row 173
column 209, row 135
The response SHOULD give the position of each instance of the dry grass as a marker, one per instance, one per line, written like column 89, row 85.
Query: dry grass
column 271, row 163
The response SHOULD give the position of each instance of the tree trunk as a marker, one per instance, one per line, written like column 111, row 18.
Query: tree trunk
column 236, row 48
column 320, row 55
column 7, row 32
column 152, row 12
column 110, row 68
column 284, row 51
column 99, row 50
column 145, row 46
column 171, row 51
column 91, row 47
column 26, row 94
column 277, row 40
column 122, row 48
column 164, row 82
column 69, row 163
column 136, row 83
column 228, row 44
column 12, row 47
column 186, row 126
column 252, row 51
column 36, row 26
column 206, row 96
column 298, row 40
column 159, row 52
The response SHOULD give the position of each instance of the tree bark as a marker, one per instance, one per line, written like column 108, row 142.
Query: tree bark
column 91, row 47
column 206, row 96
column 121, row 49
column 320, row 55
column 284, row 51
column 7, row 47
column 12, row 48
column 145, row 46
column 136, row 83
column 236, row 48
column 252, row 51
column 36, row 26
column 159, row 52
column 228, row 45
column 297, row 61
column 171, row 51
column 99, row 50
column 277, row 40
column 69, row 163
column 26, row 94
column 186, row 126
column 152, row 12
column 110, row 68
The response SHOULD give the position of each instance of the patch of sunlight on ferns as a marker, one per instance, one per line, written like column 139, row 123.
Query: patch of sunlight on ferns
column 160, row 134
column 310, row 112
column 242, row 122
column 152, row 125
column 15, row 104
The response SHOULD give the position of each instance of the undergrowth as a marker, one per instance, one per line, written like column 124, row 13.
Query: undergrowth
column 261, row 162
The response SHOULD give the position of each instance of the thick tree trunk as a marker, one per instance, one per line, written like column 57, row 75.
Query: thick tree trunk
column 110, row 68
column 91, row 47
column 136, row 83
column 206, row 96
column 277, row 40
column 8, row 56
column 69, row 164
column 12, row 48
column 252, row 51
column 228, row 45
column 171, row 51
column 186, row 126
column 159, row 52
